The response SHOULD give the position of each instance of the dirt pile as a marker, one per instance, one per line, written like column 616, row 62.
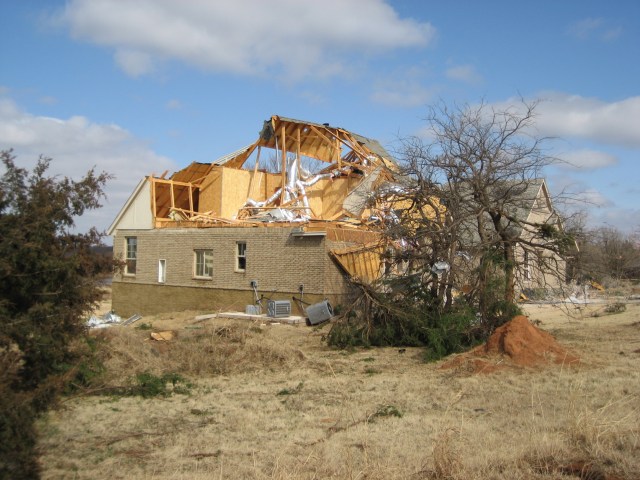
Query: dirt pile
column 516, row 343
column 526, row 345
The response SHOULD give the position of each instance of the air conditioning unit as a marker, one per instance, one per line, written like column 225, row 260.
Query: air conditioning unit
column 278, row 308
column 252, row 310
column 319, row 312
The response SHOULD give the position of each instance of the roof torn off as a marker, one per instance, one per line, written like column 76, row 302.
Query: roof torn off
column 294, row 172
column 317, row 176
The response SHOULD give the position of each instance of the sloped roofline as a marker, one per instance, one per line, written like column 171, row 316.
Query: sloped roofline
column 126, row 206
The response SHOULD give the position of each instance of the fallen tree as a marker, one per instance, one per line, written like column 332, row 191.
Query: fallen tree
column 462, row 236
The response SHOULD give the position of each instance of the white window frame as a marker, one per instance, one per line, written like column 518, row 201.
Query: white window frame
column 241, row 256
column 130, row 256
column 527, row 265
column 162, row 270
column 200, row 268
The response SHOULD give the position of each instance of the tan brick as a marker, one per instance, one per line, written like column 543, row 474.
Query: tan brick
column 278, row 261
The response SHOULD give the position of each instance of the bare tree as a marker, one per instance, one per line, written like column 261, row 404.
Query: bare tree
column 468, row 213
column 607, row 253
column 464, row 207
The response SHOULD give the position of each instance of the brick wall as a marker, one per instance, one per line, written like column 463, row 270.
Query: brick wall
column 131, row 298
column 278, row 261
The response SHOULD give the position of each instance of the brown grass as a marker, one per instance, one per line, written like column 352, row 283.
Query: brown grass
column 272, row 402
column 199, row 350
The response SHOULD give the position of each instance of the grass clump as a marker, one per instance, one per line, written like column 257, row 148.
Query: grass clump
column 614, row 308
column 291, row 391
column 611, row 309
column 89, row 371
column 386, row 411
column 148, row 385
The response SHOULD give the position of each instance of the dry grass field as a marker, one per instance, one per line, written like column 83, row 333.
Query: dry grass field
column 274, row 402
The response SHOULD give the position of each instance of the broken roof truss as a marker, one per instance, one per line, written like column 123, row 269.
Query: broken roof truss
column 294, row 172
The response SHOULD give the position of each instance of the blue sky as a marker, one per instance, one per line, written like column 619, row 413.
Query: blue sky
column 143, row 86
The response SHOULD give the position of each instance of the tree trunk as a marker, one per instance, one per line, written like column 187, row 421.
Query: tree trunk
column 509, row 273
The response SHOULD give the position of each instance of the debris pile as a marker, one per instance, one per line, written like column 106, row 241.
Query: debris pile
column 103, row 321
column 516, row 343
column 110, row 319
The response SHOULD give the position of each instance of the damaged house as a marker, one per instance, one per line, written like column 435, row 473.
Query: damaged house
column 290, row 217
column 285, row 217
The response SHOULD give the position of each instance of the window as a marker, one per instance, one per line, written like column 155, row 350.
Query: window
column 162, row 271
column 204, row 264
column 527, row 266
column 131, row 257
column 241, row 256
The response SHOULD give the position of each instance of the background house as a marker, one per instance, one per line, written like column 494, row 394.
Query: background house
column 528, row 219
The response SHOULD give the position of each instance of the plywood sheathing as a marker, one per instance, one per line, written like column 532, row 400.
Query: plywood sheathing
column 212, row 193
column 346, row 235
column 333, row 195
column 315, row 195
column 256, row 178
column 225, row 190
column 193, row 173
column 235, row 191
column 362, row 262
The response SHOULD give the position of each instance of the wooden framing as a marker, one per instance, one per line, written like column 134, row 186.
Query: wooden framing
column 285, row 136
column 283, row 170
column 162, row 203
column 362, row 262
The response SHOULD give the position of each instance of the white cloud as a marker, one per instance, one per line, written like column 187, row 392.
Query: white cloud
column 600, row 206
column 134, row 63
column 611, row 34
column 312, row 97
column 47, row 100
column 402, row 88
column 174, row 104
column 607, row 122
column 587, row 159
column 593, row 28
column 464, row 73
column 77, row 145
column 593, row 198
column 401, row 93
column 601, row 211
column 625, row 219
column 573, row 196
column 582, row 29
column 253, row 37
column 573, row 116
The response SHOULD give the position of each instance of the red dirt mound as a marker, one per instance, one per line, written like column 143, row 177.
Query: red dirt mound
column 526, row 345
column 520, row 341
